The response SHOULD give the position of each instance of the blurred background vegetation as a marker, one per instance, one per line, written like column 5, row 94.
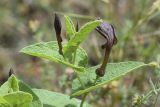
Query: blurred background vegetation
column 137, row 25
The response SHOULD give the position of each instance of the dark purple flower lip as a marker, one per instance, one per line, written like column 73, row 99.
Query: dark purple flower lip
column 58, row 27
column 108, row 32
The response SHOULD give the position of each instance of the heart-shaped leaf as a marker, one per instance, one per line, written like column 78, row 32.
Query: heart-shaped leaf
column 53, row 99
column 113, row 71
column 18, row 99
column 49, row 50
column 9, row 86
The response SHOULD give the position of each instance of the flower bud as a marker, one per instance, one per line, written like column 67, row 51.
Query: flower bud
column 11, row 72
column 77, row 27
column 58, row 26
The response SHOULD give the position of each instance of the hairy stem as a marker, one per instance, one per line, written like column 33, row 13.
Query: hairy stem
column 79, row 79
column 83, row 99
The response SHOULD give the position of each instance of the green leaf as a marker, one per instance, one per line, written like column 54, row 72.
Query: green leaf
column 4, row 89
column 4, row 103
column 53, row 99
column 9, row 86
column 49, row 50
column 25, row 88
column 13, row 83
column 80, row 36
column 18, row 99
column 70, row 29
column 113, row 72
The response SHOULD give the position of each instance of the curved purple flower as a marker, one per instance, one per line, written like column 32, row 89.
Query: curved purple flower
column 108, row 32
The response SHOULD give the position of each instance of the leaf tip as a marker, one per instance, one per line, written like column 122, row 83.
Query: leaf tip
column 153, row 64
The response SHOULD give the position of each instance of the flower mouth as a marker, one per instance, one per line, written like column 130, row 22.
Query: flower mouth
column 108, row 32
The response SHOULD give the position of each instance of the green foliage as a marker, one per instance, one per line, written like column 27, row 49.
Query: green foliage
column 25, row 88
column 137, row 32
column 10, row 86
column 20, row 99
column 13, row 83
column 113, row 72
column 10, row 93
column 26, row 97
column 70, row 29
column 80, row 36
column 53, row 99
column 4, row 103
column 76, row 58
column 49, row 50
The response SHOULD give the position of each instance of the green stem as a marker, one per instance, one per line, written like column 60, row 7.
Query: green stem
column 74, row 57
column 83, row 99
column 79, row 79
column 97, row 77
column 84, row 96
